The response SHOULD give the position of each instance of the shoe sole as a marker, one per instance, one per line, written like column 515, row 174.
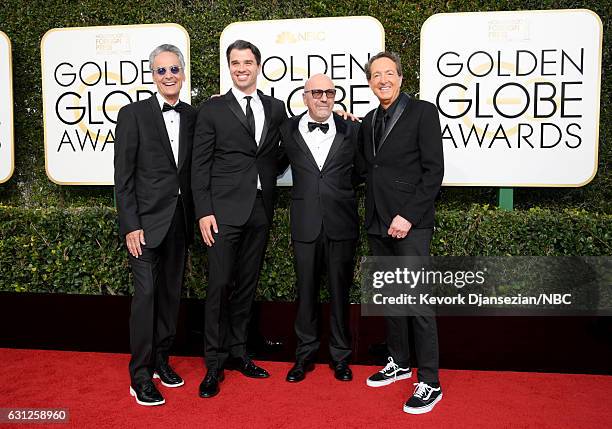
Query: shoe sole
column 156, row 375
column 422, row 410
column 388, row 381
column 146, row 404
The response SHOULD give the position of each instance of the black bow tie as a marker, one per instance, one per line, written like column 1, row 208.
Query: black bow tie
column 177, row 108
column 323, row 127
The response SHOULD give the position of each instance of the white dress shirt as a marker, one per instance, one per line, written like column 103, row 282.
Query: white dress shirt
column 258, row 113
column 172, row 119
column 256, row 106
column 318, row 142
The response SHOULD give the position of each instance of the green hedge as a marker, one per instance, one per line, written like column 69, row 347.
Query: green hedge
column 25, row 22
column 64, row 239
column 77, row 250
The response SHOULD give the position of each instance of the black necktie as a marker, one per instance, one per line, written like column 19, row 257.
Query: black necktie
column 314, row 125
column 250, row 117
column 177, row 108
column 379, row 127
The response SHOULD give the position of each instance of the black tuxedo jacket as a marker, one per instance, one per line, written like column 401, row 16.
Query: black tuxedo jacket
column 405, row 174
column 327, row 196
column 226, row 159
column 147, row 179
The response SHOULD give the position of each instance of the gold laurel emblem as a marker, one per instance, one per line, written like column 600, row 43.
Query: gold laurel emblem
column 285, row 37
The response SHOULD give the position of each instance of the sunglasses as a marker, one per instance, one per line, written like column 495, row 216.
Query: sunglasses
column 318, row 93
column 162, row 70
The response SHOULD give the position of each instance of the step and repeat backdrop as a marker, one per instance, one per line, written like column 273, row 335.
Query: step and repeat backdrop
column 88, row 74
column 294, row 49
column 517, row 93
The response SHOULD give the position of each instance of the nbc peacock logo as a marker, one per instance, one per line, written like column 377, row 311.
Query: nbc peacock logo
column 305, row 36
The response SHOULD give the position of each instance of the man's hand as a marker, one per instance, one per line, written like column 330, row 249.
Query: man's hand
column 206, row 223
column 346, row 115
column 399, row 227
column 133, row 240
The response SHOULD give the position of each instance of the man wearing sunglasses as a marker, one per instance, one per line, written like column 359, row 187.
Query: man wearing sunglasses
column 234, row 177
column 402, row 145
column 153, row 141
column 325, row 165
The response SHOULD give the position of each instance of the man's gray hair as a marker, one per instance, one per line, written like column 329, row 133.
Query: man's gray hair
column 166, row 48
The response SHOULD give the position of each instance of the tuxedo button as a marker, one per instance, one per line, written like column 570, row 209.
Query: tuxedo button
column 375, row 165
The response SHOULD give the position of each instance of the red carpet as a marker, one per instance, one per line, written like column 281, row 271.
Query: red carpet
column 94, row 387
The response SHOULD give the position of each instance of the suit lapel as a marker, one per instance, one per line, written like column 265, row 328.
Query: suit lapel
column 401, row 106
column 299, row 139
column 234, row 106
column 338, row 139
column 182, row 142
column 161, row 127
column 267, row 116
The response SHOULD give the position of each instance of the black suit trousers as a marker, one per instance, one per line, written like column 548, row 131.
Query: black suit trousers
column 158, row 276
column 234, row 264
column 425, row 329
column 311, row 258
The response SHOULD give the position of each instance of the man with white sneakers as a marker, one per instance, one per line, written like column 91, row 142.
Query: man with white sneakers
column 402, row 146
column 153, row 187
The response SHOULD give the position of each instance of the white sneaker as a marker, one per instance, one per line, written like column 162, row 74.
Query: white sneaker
column 389, row 374
column 424, row 398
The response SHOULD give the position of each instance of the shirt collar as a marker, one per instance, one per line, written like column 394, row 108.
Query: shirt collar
column 392, row 107
column 161, row 100
column 307, row 118
column 240, row 95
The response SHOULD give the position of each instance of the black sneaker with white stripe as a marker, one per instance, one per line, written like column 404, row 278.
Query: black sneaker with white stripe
column 389, row 374
column 424, row 398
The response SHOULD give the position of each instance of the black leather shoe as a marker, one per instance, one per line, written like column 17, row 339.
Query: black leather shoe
column 168, row 377
column 209, row 387
column 342, row 371
column 298, row 371
column 246, row 366
column 147, row 394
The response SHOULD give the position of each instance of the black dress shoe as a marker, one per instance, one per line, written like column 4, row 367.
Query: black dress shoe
column 147, row 394
column 298, row 371
column 246, row 366
column 168, row 377
column 342, row 371
column 210, row 385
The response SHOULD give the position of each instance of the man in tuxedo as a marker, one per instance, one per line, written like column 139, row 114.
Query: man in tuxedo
column 322, row 150
column 234, row 171
column 153, row 143
column 402, row 145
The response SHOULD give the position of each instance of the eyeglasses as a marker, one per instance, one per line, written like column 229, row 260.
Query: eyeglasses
column 318, row 93
column 162, row 70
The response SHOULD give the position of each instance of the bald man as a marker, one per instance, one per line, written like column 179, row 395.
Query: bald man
column 325, row 163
